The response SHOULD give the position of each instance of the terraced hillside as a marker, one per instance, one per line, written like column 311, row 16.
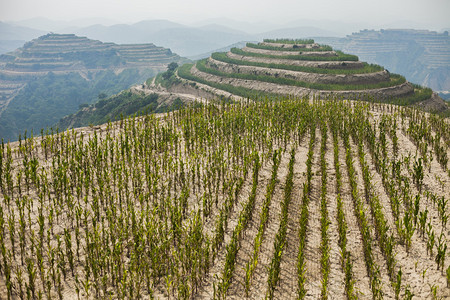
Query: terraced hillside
column 68, row 52
column 288, row 199
column 422, row 56
column 300, row 68
column 102, row 65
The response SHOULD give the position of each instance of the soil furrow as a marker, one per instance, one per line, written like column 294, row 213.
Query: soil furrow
column 354, row 242
column 259, row 282
column 313, row 234
column 336, row 284
column 287, row 286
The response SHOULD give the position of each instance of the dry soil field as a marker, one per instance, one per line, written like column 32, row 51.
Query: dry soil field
column 283, row 200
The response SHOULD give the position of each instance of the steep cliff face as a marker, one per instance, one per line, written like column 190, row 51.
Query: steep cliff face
column 422, row 56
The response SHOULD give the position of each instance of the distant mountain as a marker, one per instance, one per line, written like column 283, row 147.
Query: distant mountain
column 192, row 41
column 156, row 25
column 223, row 49
column 48, row 25
column 248, row 27
column 422, row 56
column 185, row 40
column 13, row 32
column 13, row 36
column 51, row 76
column 296, row 32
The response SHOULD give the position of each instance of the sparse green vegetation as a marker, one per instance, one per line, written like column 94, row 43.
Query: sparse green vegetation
column 118, row 106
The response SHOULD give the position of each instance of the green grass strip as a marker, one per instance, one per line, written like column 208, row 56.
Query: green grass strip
column 290, row 41
column 274, row 48
column 395, row 80
column 368, row 68
column 340, row 56
column 185, row 72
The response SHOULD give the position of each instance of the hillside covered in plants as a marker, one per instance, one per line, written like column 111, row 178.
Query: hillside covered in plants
column 252, row 199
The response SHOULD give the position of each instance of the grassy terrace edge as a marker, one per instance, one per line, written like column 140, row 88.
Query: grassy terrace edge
column 395, row 80
column 267, row 47
column 290, row 41
column 420, row 93
column 368, row 68
column 340, row 56
column 185, row 72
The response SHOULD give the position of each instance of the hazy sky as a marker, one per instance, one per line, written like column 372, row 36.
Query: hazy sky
column 433, row 13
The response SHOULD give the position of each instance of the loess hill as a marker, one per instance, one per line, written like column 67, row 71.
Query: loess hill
column 300, row 68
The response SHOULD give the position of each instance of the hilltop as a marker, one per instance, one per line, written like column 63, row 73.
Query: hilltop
column 74, row 71
column 297, row 68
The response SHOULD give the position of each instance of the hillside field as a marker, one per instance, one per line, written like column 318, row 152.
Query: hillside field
column 258, row 199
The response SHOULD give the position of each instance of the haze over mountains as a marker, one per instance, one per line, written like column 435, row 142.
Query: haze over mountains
column 200, row 36
column 186, row 40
